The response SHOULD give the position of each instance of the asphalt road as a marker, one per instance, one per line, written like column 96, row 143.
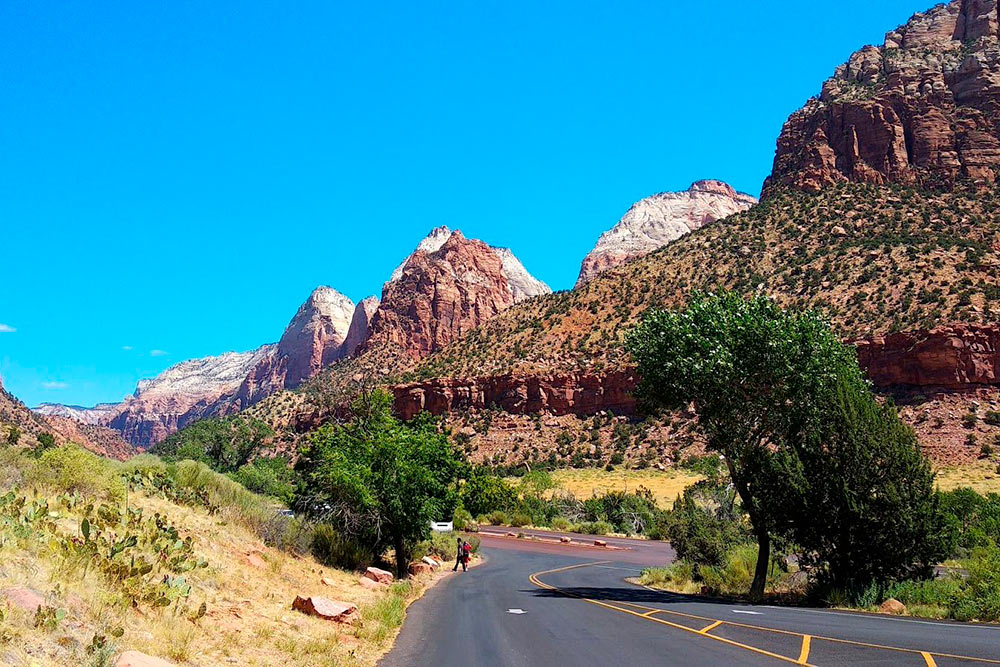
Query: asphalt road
column 579, row 610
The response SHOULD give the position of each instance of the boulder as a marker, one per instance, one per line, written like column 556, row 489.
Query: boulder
column 892, row 606
column 600, row 543
column 137, row 659
column 24, row 597
column 565, row 540
column 327, row 581
column 420, row 568
column 430, row 561
column 330, row 610
column 371, row 585
column 381, row 576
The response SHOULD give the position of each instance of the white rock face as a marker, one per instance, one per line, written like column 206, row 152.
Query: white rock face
column 522, row 285
column 81, row 414
column 315, row 336
column 360, row 324
column 205, row 376
column 656, row 221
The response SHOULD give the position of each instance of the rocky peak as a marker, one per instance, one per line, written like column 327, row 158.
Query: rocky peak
column 315, row 336
column 441, row 295
column 360, row 324
column 922, row 109
column 521, row 283
column 656, row 221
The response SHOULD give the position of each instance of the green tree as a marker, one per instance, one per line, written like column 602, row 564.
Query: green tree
column 754, row 373
column 378, row 480
column 14, row 435
column 46, row 441
column 225, row 445
column 855, row 492
column 484, row 492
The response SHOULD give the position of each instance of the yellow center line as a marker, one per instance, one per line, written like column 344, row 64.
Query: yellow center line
column 806, row 639
column 804, row 653
column 710, row 627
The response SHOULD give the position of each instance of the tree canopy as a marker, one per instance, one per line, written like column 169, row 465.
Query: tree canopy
column 378, row 480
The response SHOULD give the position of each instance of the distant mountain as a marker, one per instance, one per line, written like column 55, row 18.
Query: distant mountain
column 78, row 413
column 521, row 284
column 15, row 414
column 655, row 221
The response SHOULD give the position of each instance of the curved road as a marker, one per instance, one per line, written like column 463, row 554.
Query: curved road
column 545, row 603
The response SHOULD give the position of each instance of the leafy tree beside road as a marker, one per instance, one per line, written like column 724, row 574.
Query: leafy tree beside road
column 809, row 451
column 377, row 480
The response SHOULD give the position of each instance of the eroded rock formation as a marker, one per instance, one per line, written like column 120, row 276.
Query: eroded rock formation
column 358, row 332
column 921, row 109
column 441, row 295
column 655, row 221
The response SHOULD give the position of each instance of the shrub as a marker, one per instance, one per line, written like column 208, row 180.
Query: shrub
column 497, row 519
column 334, row 550
column 519, row 519
column 269, row 477
column 484, row 493
column 71, row 468
column 46, row 441
column 593, row 528
column 13, row 435
column 462, row 519
column 992, row 417
column 969, row 420
column 980, row 597
column 705, row 524
column 734, row 574
column 560, row 523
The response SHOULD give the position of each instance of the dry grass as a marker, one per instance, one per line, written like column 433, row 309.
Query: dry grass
column 248, row 589
column 981, row 476
column 665, row 485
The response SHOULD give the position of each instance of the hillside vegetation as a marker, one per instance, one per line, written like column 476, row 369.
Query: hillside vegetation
column 871, row 258
column 175, row 561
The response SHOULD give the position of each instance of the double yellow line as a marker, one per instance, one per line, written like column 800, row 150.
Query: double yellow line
column 802, row 659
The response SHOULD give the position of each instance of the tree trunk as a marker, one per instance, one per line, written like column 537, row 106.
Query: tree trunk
column 402, row 558
column 763, row 562
column 759, row 529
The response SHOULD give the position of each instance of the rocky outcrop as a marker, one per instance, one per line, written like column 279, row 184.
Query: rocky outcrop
column 181, row 394
column 521, row 284
column 957, row 357
column 95, row 415
column 924, row 108
column 357, row 334
column 656, row 221
column 961, row 356
column 98, row 439
column 313, row 340
column 440, row 296
column 558, row 394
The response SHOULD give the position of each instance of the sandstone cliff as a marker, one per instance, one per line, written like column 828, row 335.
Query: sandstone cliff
column 361, row 321
column 439, row 296
column 181, row 394
column 521, row 284
column 921, row 109
column 655, row 221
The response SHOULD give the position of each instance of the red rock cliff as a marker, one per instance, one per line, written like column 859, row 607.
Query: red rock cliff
column 569, row 393
column 440, row 296
column 924, row 108
column 953, row 357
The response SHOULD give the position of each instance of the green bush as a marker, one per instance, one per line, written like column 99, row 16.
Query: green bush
column 71, row 468
column 559, row 523
column 497, row 519
column 705, row 525
column 334, row 550
column 269, row 477
column 483, row 493
column 980, row 596
column 462, row 519
column 593, row 528
column 735, row 573
column 519, row 519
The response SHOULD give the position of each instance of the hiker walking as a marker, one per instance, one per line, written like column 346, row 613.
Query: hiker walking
column 459, row 556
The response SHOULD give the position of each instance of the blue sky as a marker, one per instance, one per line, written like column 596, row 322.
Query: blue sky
column 176, row 177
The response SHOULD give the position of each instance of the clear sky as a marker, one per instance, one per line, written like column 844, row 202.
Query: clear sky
column 176, row 177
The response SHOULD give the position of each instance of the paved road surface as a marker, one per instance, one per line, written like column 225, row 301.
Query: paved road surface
column 578, row 610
